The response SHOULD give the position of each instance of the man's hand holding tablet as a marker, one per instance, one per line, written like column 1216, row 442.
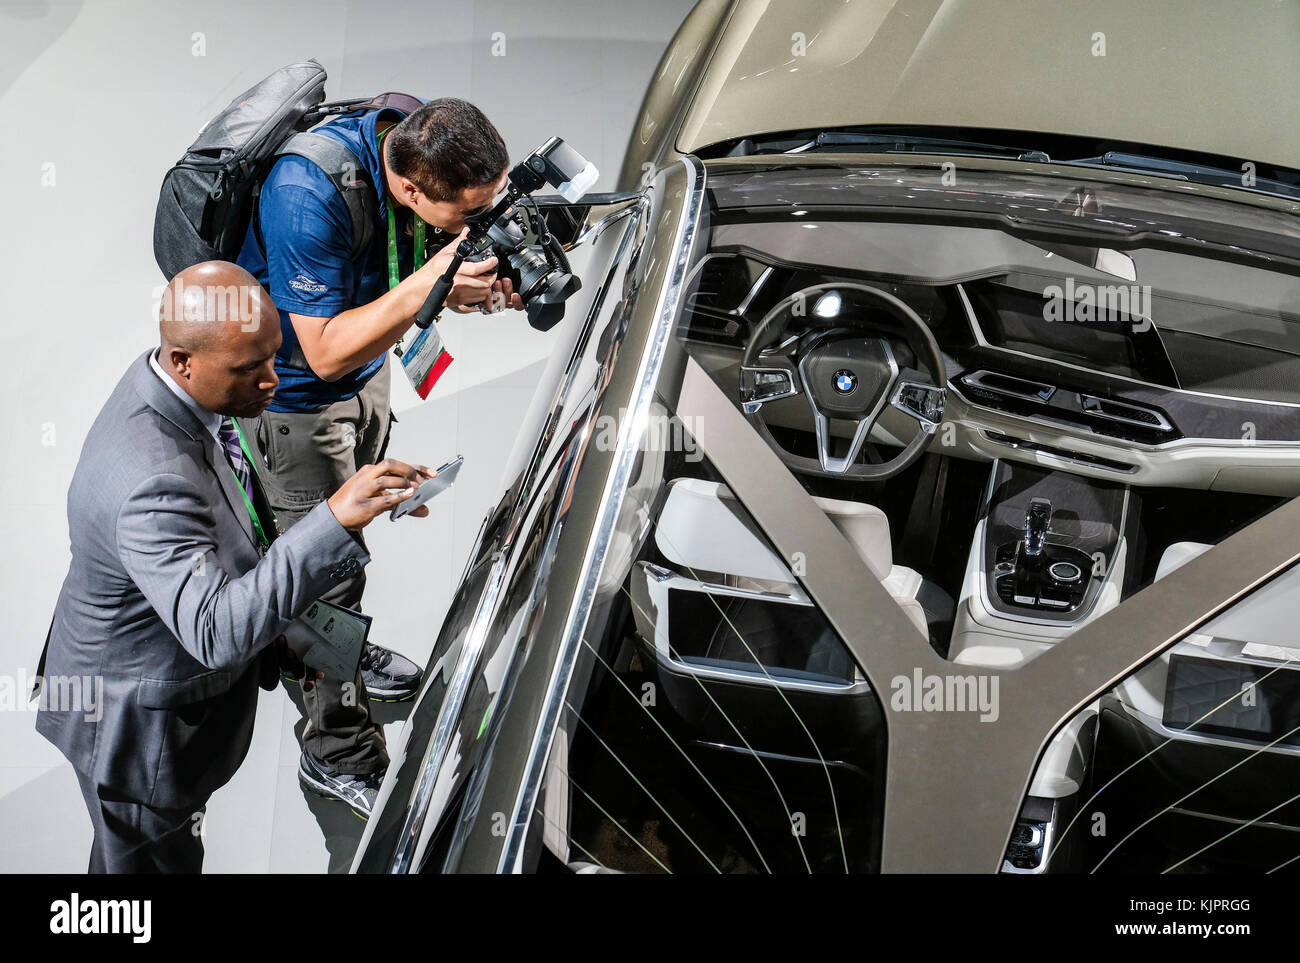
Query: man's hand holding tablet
column 436, row 482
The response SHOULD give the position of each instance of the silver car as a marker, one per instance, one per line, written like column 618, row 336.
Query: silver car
column 910, row 486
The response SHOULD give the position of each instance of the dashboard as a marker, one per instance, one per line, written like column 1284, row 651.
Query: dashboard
column 1055, row 355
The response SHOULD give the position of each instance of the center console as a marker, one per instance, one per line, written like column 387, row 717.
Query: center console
column 1048, row 555
column 1035, row 574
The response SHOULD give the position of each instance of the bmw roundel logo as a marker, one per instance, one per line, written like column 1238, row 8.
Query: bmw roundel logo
column 845, row 381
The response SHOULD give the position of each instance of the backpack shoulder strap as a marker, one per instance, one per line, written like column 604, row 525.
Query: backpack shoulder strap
column 346, row 171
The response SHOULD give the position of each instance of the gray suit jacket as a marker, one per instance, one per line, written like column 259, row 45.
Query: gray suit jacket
column 170, row 601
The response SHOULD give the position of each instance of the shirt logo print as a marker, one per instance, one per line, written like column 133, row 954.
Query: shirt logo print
column 300, row 282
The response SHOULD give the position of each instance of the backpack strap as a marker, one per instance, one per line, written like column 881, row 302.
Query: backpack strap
column 342, row 167
column 345, row 170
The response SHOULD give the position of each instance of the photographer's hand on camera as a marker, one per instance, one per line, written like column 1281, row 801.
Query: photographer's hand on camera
column 477, row 288
column 503, row 296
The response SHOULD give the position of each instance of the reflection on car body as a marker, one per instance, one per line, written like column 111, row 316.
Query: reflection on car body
column 974, row 550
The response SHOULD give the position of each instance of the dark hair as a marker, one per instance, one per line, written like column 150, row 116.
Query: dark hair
column 446, row 146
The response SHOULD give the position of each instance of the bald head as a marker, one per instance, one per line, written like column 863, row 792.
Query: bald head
column 219, row 332
column 209, row 303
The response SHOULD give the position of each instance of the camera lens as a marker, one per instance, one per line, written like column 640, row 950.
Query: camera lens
column 532, row 268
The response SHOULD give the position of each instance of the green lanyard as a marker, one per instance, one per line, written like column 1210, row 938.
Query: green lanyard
column 248, row 502
column 417, row 240
column 417, row 255
column 417, row 244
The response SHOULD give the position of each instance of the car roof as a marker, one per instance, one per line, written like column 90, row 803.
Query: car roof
column 1201, row 77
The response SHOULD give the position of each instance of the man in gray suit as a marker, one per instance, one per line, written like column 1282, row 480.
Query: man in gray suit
column 178, row 585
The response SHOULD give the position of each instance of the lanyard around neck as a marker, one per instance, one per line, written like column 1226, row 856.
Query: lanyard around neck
column 417, row 239
column 248, row 502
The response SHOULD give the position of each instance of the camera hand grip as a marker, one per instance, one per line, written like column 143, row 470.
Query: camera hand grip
column 433, row 303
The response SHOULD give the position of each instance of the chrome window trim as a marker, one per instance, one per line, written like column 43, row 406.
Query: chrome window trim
column 739, row 309
column 743, row 306
column 666, row 309
column 417, row 827
column 595, row 230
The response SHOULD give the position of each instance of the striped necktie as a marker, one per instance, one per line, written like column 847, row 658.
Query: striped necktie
column 235, row 453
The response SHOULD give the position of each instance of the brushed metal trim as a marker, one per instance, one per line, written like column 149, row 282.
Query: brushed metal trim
column 988, row 766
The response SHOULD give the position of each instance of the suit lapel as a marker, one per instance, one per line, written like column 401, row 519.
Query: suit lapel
column 263, row 505
column 229, row 485
column 159, row 397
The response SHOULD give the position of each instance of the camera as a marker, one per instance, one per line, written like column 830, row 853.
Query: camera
column 538, row 270
column 526, row 253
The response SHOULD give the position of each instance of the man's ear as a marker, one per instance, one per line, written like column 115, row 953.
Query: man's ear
column 410, row 193
column 179, row 361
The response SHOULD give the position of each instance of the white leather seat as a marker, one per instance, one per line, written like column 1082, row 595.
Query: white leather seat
column 1176, row 556
column 867, row 529
column 702, row 527
column 913, row 610
column 1179, row 554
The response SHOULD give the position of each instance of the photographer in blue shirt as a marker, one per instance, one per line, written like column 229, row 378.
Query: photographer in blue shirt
column 339, row 317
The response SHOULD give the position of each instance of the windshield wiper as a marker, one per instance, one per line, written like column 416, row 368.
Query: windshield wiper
column 1185, row 171
column 906, row 144
column 901, row 142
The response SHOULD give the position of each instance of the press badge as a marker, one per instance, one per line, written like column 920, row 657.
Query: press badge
column 424, row 360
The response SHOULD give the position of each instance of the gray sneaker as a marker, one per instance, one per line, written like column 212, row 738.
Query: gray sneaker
column 389, row 677
column 359, row 792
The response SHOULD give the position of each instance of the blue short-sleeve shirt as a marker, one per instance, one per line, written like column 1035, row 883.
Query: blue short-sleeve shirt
column 306, row 264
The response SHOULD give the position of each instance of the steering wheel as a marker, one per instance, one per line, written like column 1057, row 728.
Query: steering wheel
column 844, row 374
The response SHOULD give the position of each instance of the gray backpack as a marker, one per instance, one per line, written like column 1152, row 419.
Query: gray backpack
column 209, row 196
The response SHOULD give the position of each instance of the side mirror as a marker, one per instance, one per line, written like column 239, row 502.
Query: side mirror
column 572, row 222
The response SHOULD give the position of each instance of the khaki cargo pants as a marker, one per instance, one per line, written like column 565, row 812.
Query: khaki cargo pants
column 304, row 458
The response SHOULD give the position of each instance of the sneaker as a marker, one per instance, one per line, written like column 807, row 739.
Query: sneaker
column 389, row 677
column 359, row 792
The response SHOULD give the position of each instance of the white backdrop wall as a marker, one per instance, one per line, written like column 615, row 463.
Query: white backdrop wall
column 97, row 99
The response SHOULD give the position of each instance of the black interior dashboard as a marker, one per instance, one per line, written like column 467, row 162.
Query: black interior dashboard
column 1040, row 373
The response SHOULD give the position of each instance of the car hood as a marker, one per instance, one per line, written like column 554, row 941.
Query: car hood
column 1186, row 76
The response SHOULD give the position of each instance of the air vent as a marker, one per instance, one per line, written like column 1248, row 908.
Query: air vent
column 1124, row 412
column 1030, row 848
column 707, row 292
column 1064, row 405
column 721, row 294
column 1000, row 384
column 1025, row 852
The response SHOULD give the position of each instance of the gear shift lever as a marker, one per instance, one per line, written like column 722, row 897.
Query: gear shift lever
column 1033, row 574
column 1038, row 516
